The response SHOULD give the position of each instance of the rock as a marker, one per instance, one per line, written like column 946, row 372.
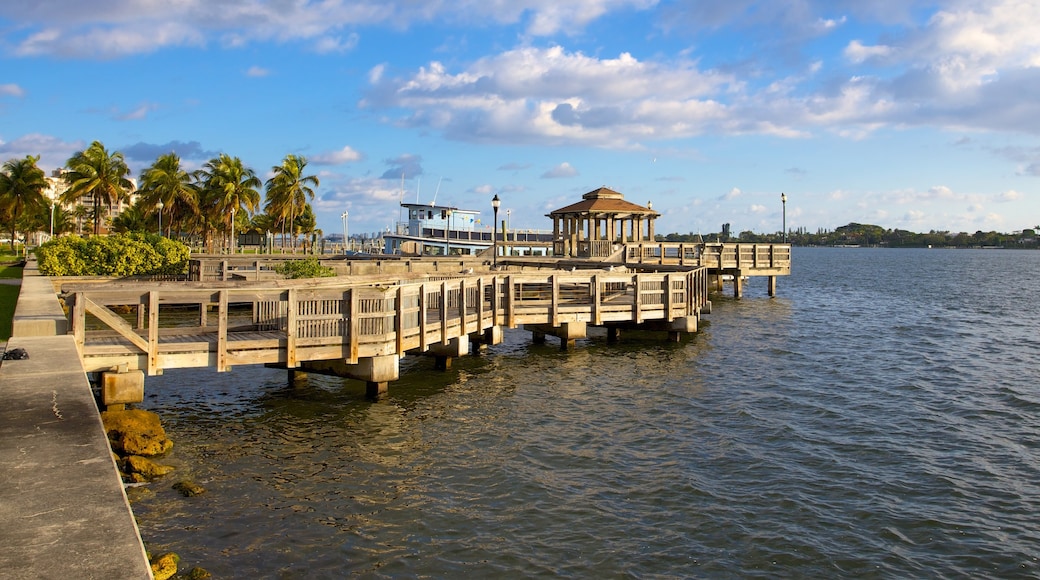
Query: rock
column 136, row 432
column 197, row 573
column 165, row 566
column 146, row 467
column 189, row 488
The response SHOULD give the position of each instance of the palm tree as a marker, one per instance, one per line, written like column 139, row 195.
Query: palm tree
column 228, row 187
column 131, row 219
column 99, row 174
column 288, row 191
column 22, row 184
column 167, row 188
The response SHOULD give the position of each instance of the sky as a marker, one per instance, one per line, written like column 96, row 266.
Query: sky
column 908, row 114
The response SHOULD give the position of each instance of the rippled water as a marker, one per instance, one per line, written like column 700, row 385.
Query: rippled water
column 880, row 417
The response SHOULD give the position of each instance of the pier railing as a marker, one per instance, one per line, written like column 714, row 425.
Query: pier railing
column 170, row 325
column 760, row 259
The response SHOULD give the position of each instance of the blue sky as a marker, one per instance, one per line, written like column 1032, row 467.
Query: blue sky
column 902, row 113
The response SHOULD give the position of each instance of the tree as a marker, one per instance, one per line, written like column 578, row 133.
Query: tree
column 99, row 174
column 288, row 191
column 22, row 184
column 228, row 187
column 130, row 220
column 169, row 190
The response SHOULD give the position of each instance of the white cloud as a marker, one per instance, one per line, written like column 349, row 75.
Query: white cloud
column 1009, row 195
column 53, row 151
column 345, row 155
column 731, row 194
column 857, row 52
column 11, row 90
column 562, row 170
column 121, row 27
column 257, row 72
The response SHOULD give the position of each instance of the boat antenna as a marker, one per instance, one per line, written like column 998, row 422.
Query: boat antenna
column 434, row 202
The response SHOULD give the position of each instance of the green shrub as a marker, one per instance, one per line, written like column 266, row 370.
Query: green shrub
column 307, row 268
column 115, row 255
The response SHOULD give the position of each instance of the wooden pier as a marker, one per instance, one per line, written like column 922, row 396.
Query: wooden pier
column 361, row 328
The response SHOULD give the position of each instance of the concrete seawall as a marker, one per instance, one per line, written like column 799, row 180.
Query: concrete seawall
column 63, row 509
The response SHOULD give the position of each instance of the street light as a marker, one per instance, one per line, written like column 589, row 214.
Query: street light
column 344, row 218
column 783, row 201
column 52, row 218
column 232, row 230
column 160, row 218
column 505, row 234
column 447, row 229
column 495, row 202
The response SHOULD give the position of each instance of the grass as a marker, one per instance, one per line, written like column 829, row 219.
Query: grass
column 8, row 300
column 8, row 292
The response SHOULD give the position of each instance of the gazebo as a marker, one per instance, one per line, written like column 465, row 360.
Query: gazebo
column 596, row 226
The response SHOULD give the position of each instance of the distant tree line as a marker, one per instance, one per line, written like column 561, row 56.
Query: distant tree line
column 855, row 234
column 205, row 205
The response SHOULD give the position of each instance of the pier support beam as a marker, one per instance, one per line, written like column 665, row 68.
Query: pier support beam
column 479, row 341
column 121, row 387
column 772, row 285
column 613, row 334
column 376, row 371
column 443, row 353
column 567, row 332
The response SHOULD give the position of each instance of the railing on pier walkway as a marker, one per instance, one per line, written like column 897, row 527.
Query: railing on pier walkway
column 170, row 325
column 752, row 259
column 244, row 267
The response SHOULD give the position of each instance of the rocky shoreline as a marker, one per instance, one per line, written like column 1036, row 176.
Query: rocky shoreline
column 138, row 442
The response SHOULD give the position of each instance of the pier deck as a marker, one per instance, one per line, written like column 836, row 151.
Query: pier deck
column 226, row 324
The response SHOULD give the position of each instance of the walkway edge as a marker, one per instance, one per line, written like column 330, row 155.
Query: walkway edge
column 63, row 508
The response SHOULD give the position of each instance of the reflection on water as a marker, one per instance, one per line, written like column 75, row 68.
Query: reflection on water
column 877, row 418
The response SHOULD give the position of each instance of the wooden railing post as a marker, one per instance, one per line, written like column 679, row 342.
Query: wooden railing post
column 290, row 328
column 555, row 300
column 399, row 321
column 153, row 332
column 79, row 319
column 424, row 345
column 637, row 300
column 222, row 330
column 444, row 312
column 597, row 297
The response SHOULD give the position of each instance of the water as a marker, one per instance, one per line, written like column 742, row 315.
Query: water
column 878, row 418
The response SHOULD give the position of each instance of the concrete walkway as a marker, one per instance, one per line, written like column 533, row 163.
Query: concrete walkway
column 63, row 511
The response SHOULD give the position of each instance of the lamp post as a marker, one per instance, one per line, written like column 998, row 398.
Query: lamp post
column 783, row 201
column 495, row 202
column 447, row 229
column 52, row 218
column 505, row 234
column 232, row 230
column 344, row 218
column 160, row 205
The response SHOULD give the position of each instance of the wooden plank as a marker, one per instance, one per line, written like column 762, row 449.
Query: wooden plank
column 462, row 306
column 116, row 323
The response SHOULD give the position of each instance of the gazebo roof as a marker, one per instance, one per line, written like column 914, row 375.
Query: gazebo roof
column 604, row 201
